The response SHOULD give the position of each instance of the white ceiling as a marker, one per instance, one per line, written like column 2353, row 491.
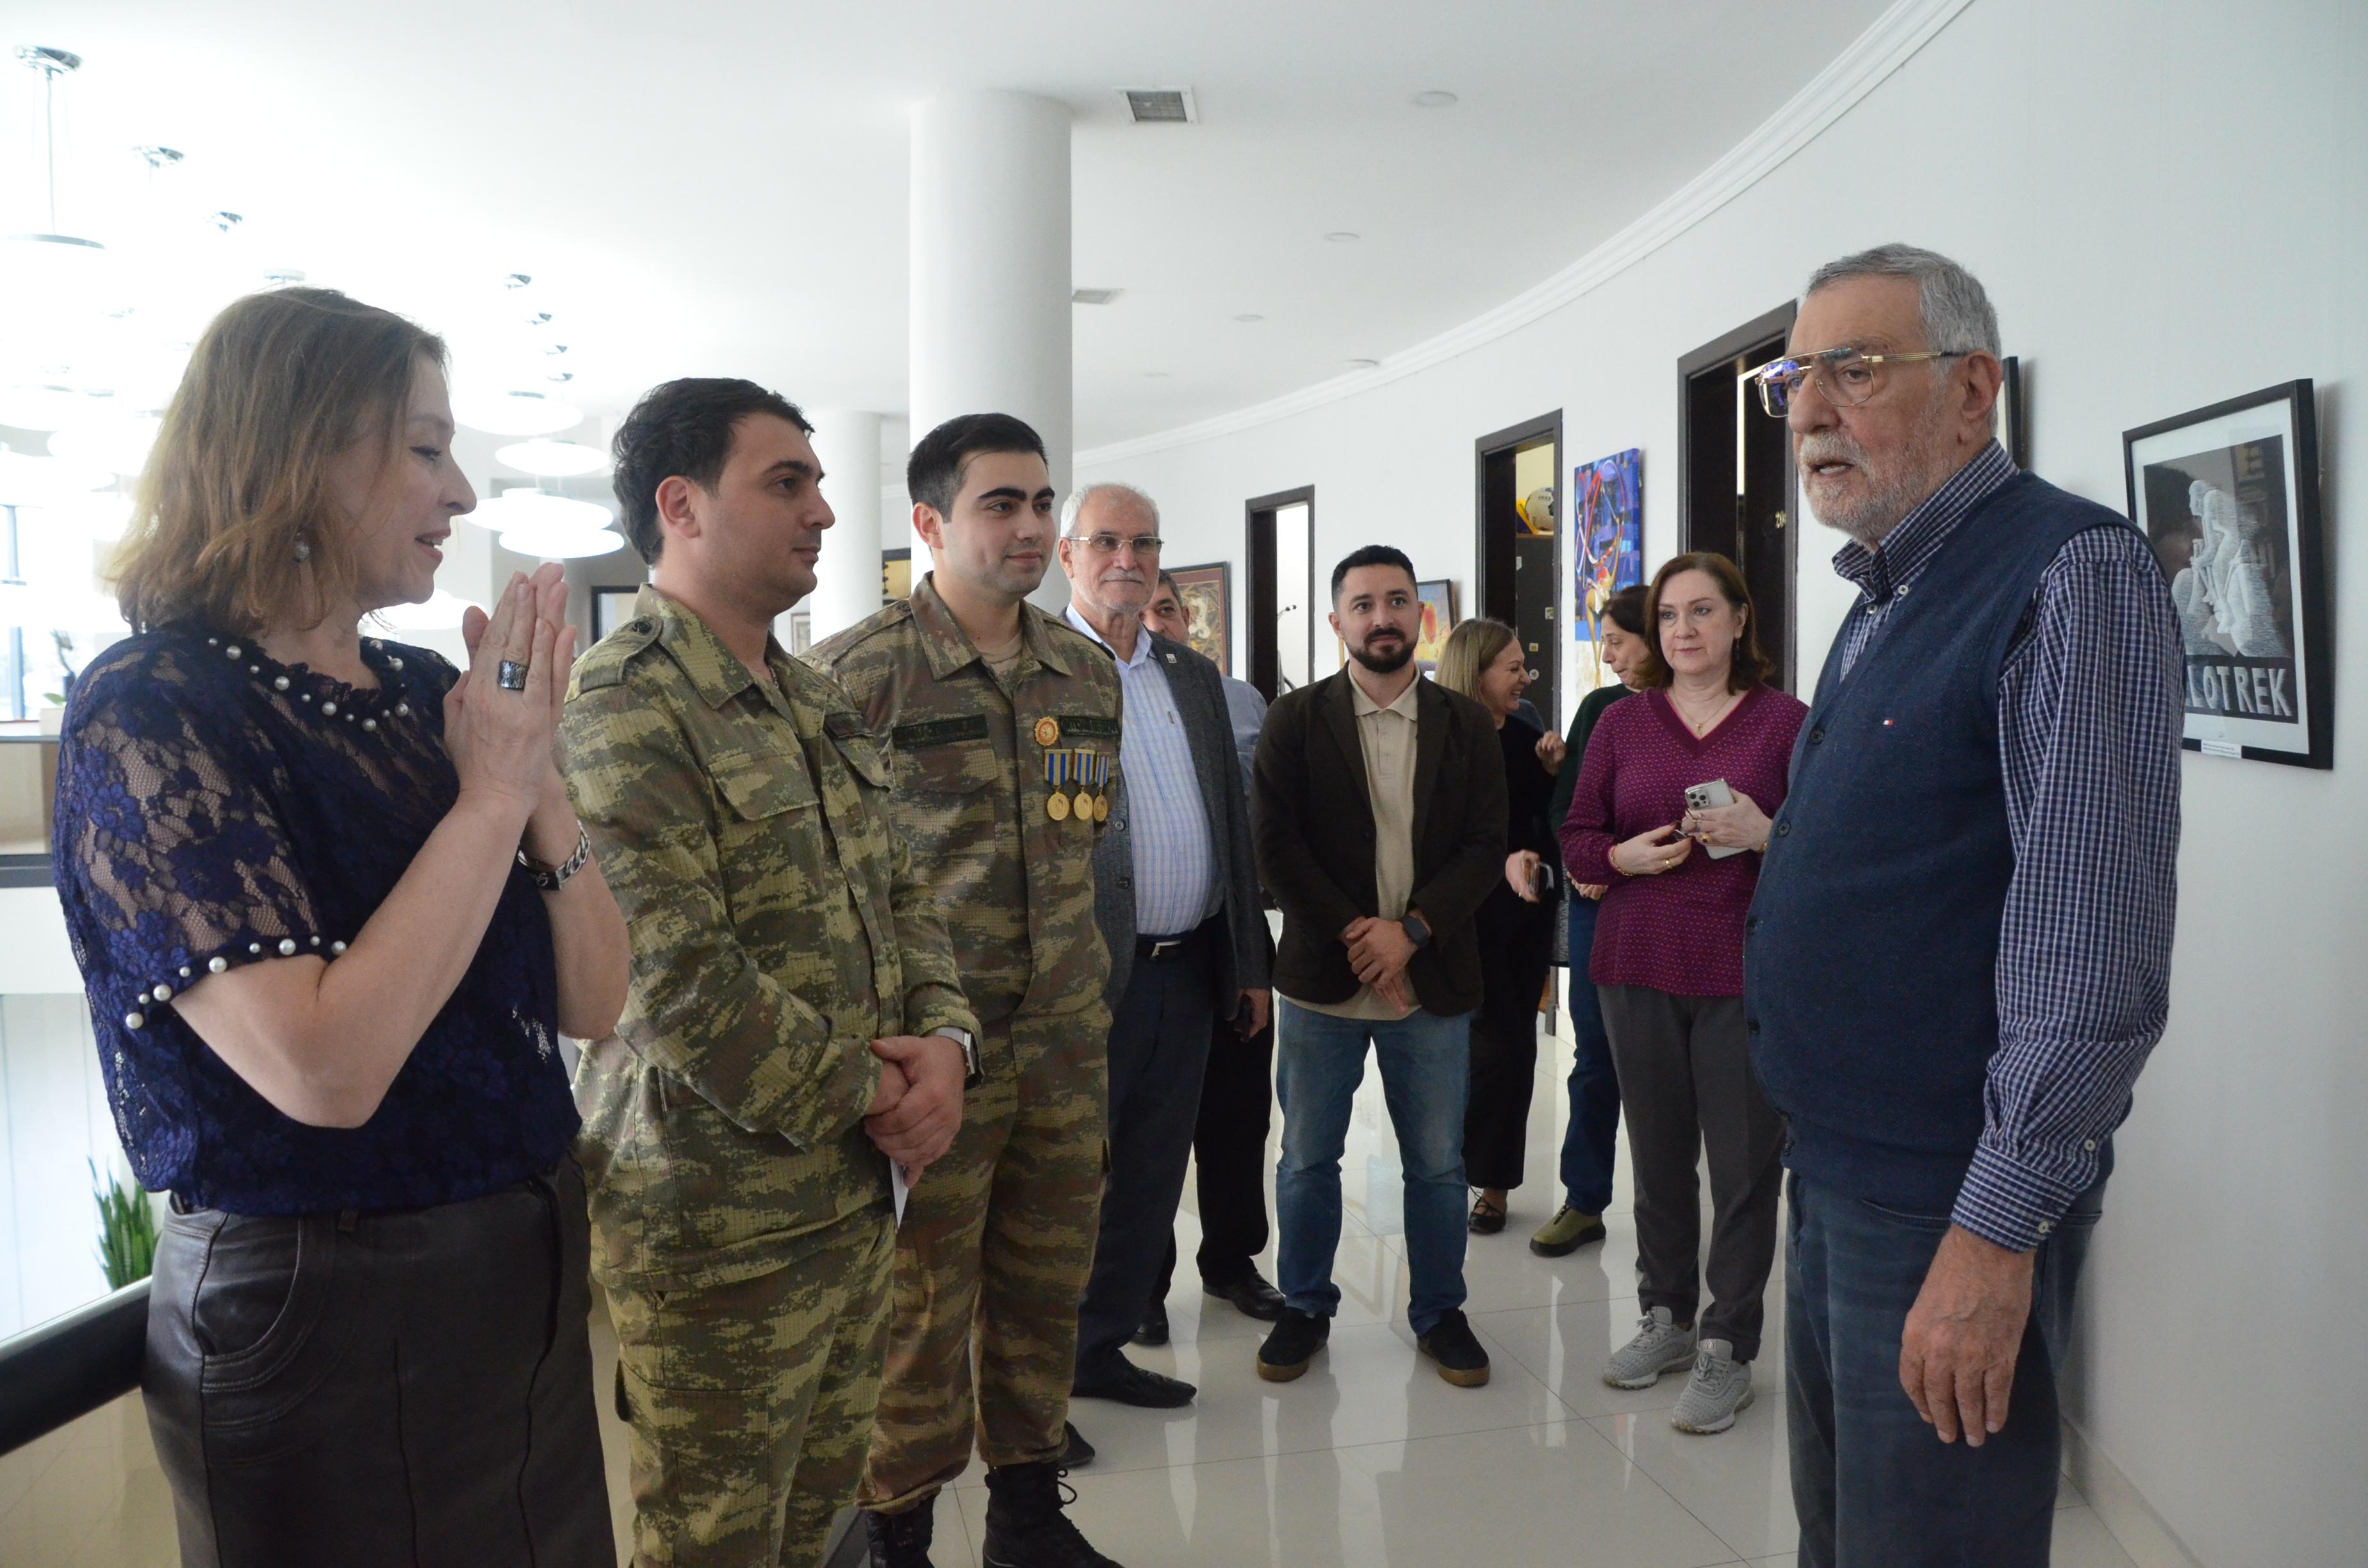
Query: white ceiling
column 719, row 187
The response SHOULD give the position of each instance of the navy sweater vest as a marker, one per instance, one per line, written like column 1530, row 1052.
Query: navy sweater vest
column 1872, row 948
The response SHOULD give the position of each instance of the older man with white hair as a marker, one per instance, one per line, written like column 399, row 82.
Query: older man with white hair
column 1178, row 904
column 1958, row 957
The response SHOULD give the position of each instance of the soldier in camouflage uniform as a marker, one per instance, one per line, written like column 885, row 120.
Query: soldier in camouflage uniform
column 1005, row 725
column 739, row 1125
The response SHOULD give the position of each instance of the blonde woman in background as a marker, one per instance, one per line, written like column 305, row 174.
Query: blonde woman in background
column 1482, row 660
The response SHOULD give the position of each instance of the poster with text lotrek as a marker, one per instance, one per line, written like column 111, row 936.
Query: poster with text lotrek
column 2233, row 518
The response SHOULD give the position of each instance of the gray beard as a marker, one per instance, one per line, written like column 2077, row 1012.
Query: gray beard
column 1890, row 495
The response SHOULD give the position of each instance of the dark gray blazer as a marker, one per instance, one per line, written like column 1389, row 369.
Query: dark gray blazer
column 1246, row 961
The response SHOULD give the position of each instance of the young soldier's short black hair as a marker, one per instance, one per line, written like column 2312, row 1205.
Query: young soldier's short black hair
column 683, row 428
column 933, row 474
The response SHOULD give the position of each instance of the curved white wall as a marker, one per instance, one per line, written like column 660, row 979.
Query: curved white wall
column 2168, row 202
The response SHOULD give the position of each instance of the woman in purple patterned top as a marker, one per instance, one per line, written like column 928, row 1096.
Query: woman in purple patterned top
column 1667, row 965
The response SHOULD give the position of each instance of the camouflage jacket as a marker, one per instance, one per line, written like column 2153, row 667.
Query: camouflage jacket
column 978, row 762
column 778, row 928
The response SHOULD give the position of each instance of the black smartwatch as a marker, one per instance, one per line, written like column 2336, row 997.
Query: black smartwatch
column 1417, row 932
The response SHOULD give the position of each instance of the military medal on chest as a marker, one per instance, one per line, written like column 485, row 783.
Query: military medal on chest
column 1101, row 793
column 1057, row 764
column 1087, row 762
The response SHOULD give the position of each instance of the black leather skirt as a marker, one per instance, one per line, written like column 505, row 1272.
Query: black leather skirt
column 408, row 1388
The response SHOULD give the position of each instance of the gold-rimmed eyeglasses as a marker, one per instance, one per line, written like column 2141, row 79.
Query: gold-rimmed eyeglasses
column 1844, row 377
column 1146, row 546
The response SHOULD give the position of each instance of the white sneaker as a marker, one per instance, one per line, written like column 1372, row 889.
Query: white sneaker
column 1719, row 1389
column 1660, row 1346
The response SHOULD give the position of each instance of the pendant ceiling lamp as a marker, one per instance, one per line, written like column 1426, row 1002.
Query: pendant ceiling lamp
column 65, row 268
column 556, row 460
column 516, row 412
column 561, row 544
column 441, row 613
column 539, row 510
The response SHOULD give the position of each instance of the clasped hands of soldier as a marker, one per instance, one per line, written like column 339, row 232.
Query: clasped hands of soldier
column 918, row 1108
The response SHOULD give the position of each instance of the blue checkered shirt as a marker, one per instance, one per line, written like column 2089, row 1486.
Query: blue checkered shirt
column 1175, row 884
column 2088, row 718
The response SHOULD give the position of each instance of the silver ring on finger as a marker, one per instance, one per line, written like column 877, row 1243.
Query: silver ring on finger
column 511, row 677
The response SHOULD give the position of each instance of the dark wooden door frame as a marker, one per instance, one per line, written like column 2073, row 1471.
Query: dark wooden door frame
column 1496, row 443
column 1778, row 323
column 1258, row 593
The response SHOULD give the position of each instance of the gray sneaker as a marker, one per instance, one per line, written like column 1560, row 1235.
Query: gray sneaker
column 1718, row 1390
column 1659, row 1346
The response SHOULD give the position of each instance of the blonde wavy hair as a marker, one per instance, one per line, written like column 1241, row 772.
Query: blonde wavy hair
column 280, row 387
column 1471, row 648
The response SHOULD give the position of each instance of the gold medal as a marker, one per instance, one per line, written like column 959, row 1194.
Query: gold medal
column 1101, row 808
column 1048, row 730
column 1057, row 806
column 1084, row 805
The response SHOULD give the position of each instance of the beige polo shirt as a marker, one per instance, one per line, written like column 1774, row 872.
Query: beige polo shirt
column 1387, row 738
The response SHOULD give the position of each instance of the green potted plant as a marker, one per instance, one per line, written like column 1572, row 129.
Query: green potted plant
column 127, row 1229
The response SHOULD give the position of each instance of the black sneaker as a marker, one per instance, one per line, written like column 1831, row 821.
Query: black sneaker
column 1292, row 1343
column 1251, row 1295
column 1153, row 1329
column 1452, row 1345
column 1138, row 1386
column 901, row 1540
column 1025, row 1525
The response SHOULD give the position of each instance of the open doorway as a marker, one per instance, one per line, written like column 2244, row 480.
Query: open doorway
column 1282, row 598
column 1735, row 497
column 1515, row 514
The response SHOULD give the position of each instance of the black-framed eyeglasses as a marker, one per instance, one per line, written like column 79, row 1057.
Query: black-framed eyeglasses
column 1844, row 377
column 1146, row 546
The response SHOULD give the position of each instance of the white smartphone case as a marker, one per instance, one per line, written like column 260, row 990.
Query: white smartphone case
column 1709, row 797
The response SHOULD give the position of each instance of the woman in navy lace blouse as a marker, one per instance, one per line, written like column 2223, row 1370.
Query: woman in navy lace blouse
column 333, row 914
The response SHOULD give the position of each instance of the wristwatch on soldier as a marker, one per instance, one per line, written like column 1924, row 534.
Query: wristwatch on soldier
column 1418, row 931
column 971, row 1077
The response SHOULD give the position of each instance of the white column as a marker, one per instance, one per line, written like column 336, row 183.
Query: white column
column 990, row 272
column 847, row 587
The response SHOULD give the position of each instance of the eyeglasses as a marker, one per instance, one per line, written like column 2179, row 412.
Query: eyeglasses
column 1844, row 377
column 1146, row 546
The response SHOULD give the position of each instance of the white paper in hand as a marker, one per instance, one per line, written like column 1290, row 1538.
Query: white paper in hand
column 900, row 1185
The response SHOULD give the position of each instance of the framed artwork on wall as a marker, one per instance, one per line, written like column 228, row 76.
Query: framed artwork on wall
column 1607, row 546
column 2229, row 498
column 1208, row 596
column 2013, row 413
column 896, row 575
column 1438, row 600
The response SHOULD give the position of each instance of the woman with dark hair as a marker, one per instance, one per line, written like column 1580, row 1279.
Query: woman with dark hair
column 1588, row 1140
column 333, row 913
column 1667, row 964
column 1482, row 660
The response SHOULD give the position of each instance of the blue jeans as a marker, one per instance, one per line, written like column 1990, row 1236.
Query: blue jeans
column 1594, row 1131
column 1425, row 1076
column 1873, row 1485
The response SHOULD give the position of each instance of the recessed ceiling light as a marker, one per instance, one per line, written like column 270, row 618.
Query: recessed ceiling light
column 1342, row 236
column 1361, row 364
column 1094, row 296
column 1251, row 315
column 1435, row 99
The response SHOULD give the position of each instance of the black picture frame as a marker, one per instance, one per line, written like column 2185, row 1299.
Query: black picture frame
column 2013, row 412
column 1208, row 594
column 611, row 608
column 2228, row 496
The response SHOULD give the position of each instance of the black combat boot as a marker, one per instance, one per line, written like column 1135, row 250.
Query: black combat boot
column 1025, row 1526
column 901, row 1540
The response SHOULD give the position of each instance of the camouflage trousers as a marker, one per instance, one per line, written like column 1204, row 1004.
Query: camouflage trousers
column 752, row 1402
column 992, row 1257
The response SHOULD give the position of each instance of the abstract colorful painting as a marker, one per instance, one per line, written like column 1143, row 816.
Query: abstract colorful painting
column 1607, row 532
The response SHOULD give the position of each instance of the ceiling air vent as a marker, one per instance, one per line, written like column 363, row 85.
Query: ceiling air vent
column 1094, row 296
column 1170, row 105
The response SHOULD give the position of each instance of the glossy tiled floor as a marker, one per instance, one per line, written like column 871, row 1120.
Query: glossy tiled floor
column 1369, row 1459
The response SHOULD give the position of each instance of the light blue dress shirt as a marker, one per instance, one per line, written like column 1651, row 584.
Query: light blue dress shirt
column 1175, row 883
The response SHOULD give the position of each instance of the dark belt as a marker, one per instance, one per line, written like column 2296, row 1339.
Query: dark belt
column 1168, row 949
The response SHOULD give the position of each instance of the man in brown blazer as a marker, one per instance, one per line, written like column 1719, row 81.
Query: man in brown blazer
column 1378, row 809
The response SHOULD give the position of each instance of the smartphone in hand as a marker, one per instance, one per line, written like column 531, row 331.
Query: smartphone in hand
column 1710, row 797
